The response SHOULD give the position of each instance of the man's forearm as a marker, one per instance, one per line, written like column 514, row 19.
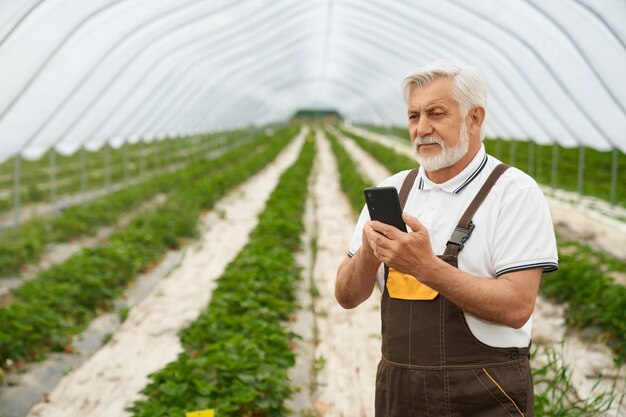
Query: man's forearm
column 356, row 278
column 508, row 300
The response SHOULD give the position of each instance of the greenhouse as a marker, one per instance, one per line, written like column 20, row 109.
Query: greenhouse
column 184, row 230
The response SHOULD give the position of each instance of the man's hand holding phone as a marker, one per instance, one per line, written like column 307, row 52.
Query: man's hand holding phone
column 383, row 205
column 387, row 234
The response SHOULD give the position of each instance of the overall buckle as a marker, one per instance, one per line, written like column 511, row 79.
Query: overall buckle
column 460, row 235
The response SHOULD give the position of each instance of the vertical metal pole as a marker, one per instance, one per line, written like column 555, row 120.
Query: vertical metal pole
column 53, row 179
column 531, row 158
column 155, row 154
column 581, row 169
column 512, row 148
column 126, row 146
column 176, row 150
column 16, row 193
column 83, row 174
column 176, row 146
column 161, row 151
column 498, row 149
column 142, row 158
column 614, row 177
column 107, row 167
column 169, row 162
column 555, row 164
column 539, row 158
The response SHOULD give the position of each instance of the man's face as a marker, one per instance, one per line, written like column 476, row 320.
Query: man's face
column 437, row 130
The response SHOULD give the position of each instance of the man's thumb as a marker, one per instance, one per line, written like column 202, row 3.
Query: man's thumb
column 412, row 222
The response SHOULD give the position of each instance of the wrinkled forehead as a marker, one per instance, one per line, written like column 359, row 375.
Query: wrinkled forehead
column 439, row 91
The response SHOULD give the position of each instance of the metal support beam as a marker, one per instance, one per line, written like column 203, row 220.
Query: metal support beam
column 512, row 148
column 83, row 174
column 581, row 170
column 126, row 149
column 539, row 164
column 555, row 164
column 142, row 158
column 531, row 158
column 17, row 189
column 175, row 155
column 107, row 167
column 614, row 171
column 53, row 179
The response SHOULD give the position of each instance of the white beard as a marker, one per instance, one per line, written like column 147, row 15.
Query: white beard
column 447, row 157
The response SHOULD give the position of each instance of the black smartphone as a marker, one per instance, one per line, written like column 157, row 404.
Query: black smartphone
column 383, row 205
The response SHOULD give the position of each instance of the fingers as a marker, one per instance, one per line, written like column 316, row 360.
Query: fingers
column 376, row 237
column 384, row 229
column 380, row 244
column 412, row 222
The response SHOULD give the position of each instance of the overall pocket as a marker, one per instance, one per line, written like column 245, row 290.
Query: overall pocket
column 407, row 287
column 507, row 385
column 498, row 391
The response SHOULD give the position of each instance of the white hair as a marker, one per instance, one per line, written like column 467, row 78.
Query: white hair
column 470, row 86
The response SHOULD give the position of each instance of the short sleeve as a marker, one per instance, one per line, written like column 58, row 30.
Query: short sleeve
column 524, row 236
column 356, row 241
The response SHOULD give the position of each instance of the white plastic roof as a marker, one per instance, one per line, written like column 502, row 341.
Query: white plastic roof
column 76, row 72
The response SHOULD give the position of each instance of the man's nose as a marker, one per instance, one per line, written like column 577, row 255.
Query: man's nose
column 424, row 128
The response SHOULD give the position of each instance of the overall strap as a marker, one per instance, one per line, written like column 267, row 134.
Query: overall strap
column 465, row 227
column 406, row 186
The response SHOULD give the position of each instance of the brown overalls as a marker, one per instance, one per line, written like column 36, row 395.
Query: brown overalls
column 432, row 365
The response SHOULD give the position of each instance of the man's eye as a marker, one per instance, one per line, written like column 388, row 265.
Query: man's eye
column 436, row 114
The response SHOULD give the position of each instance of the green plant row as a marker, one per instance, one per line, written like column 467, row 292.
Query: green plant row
column 351, row 181
column 392, row 160
column 237, row 353
column 536, row 160
column 60, row 301
column 595, row 300
column 36, row 186
column 553, row 393
column 84, row 219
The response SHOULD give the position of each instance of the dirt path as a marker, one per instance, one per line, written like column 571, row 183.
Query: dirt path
column 349, row 340
column 111, row 379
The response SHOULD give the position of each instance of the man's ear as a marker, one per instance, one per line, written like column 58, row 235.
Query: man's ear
column 477, row 117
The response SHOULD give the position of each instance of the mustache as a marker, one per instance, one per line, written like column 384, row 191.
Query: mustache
column 427, row 140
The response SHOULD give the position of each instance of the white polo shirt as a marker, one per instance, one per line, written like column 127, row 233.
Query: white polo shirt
column 513, row 230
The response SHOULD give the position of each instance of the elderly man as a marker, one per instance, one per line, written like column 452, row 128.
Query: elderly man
column 459, row 288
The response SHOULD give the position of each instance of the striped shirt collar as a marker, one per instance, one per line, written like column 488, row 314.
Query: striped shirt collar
column 458, row 183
